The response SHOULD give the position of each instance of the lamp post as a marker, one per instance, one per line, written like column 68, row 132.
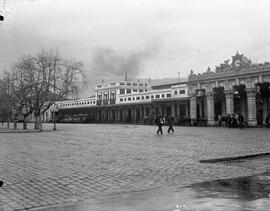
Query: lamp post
column 54, row 110
column 8, row 102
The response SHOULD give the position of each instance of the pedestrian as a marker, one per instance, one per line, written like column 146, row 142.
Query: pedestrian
column 241, row 121
column 171, row 121
column 229, row 120
column 159, row 123
column 267, row 120
column 219, row 120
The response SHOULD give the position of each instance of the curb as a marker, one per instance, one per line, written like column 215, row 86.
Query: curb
column 216, row 160
column 25, row 131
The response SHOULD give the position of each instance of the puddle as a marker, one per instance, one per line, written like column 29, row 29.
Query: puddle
column 237, row 194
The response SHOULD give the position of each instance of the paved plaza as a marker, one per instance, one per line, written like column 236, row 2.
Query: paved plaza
column 84, row 162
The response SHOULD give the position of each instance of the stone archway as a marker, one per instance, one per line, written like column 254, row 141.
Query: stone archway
column 262, row 102
column 240, row 100
column 219, row 102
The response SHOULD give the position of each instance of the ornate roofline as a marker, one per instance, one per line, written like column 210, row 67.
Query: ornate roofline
column 239, row 65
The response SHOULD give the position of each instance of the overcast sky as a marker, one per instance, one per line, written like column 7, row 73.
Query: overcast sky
column 156, row 38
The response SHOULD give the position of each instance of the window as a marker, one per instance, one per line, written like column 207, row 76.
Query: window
column 99, row 86
column 112, row 84
column 137, row 98
column 147, row 97
column 145, row 84
column 140, row 90
column 128, row 91
column 175, row 92
column 135, row 90
column 140, row 84
column 145, row 90
column 134, row 84
column 152, row 96
column 182, row 91
column 121, row 99
column 129, row 99
column 122, row 91
column 142, row 97
column 162, row 95
column 157, row 96
column 169, row 95
column 122, row 84
column 133, row 98
column 125, row 99
column 94, row 102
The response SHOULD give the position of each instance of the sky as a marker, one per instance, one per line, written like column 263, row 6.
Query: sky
column 145, row 38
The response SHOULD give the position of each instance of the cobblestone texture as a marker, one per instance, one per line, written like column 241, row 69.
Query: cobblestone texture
column 80, row 162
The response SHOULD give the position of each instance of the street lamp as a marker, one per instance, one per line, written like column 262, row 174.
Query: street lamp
column 54, row 110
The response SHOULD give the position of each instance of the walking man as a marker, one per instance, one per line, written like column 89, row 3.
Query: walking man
column 159, row 123
column 171, row 122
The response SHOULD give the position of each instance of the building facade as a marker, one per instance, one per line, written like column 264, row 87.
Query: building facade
column 238, row 87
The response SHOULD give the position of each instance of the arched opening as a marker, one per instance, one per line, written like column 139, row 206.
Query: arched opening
column 240, row 100
column 219, row 102
column 262, row 102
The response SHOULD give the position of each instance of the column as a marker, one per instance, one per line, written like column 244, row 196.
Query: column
column 173, row 109
column 193, row 107
column 251, row 106
column 229, row 102
column 210, row 108
column 176, row 109
column 223, row 106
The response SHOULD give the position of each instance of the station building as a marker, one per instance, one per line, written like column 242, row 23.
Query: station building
column 239, row 86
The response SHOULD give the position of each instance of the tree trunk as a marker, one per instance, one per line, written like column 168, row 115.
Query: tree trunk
column 24, row 123
column 36, row 123
column 40, row 123
column 15, row 124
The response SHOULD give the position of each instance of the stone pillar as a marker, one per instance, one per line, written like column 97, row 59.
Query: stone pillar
column 210, row 108
column 223, row 106
column 193, row 107
column 173, row 109
column 229, row 102
column 251, row 106
column 176, row 110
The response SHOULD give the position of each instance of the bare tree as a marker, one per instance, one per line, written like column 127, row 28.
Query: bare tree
column 37, row 82
column 47, row 78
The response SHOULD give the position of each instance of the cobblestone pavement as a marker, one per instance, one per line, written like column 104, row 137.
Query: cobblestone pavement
column 84, row 162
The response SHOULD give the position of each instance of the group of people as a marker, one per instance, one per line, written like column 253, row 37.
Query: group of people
column 160, row 121
column 232, row 120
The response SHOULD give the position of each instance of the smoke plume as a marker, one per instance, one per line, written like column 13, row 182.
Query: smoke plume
column 108, row 64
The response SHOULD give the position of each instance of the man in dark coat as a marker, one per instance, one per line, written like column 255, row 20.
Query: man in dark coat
column 171, row 121
column 159, row 123
column 241, row 121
